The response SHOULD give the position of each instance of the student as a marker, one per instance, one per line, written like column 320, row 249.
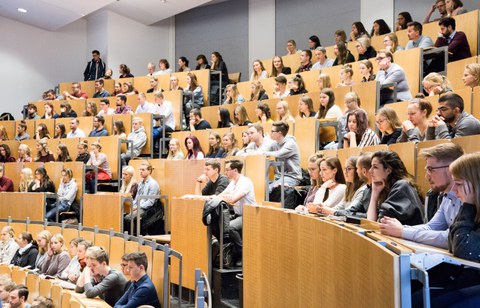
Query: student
column 8, row 245
column 359, row 134
column 215, row 182
column 415, row 128
column 27, row 253
column 389, row 125
column 57, row 257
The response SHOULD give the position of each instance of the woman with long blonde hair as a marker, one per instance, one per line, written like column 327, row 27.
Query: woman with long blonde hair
column 57, row 257
column 129, row 184
column 26, row 178
column 43, row 242
column 175, row 150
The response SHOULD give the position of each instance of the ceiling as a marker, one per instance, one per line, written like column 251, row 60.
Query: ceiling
column 52, row 15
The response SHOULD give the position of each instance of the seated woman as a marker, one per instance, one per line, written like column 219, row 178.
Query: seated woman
column 202, row 63
column 215, row 149
column 352, row 102
column 42, row 132
column 346, row 76
column 379, row 28
column 6, row 154
column 42, row 182
column 217, row 65
column 43, row 242
column 183, row 64
column 117, row 89
column 394, row 192
column 313, row 168
column 224, row 118
column 43, row 153
column 27, row 251
column 323, row 81
column 359, row 134
column 83, row 154
column 354, row 190
column 454, row 8
column 436, row 84
column 390, row 42
column 24, row 154
column 119, row 129
column 155, row 86
column 108, row 74
column 124, row 71
column 257, row 92
column 129, row 184
column 128, row 88
column 328, row 108
column 66, row 111
column 358, row 31
column 72, row 271
column 91, row 109
column 60, row 131
column 259, row 71
column 333, row 182
column 3, row 134
column 232, row 96
column 305, row 107
column 164, row 67
column 174, row 86
column 263, row 113
column 415, row 128
column 57, row 257
column 402, row 21
column 298, row 86
column 389, row 125
column 174, row 150
column 100, row 161
column 8, row 245
column 62, row 153
column 229, row 145
column 194, row 149
column 245, row 142
column 283, row 112
column 366, row 70
column 471, row 75
column 26, row 178
column 342, row 54
column 50, row 112
column 278, row 68
column 240, row 116
column 365, row 49
column 67, row 191
column 192, row 90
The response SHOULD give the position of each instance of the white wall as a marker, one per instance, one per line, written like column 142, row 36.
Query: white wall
column 384, row 9
column 34, row 60
column 261, row 30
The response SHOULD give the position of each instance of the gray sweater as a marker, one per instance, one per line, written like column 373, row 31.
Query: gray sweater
column 466, row 125
column 287, row 150
column 55, row 264
column 110, row 288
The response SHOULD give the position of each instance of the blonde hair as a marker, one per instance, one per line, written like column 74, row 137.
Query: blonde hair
column 233, row 99
column 288, row 115
column 44, row 145
column 27, row 179
column 26, row 149
column 394, row 39
column 474, row 69
column 126, row 188
column 326, row 82
column 179, row 149
column 59, row 237
column 9, row 230
column 45, row 234
column 316, row 158
column 437, row 79
column 391, row 117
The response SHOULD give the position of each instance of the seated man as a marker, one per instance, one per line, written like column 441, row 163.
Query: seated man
column 99, row 89
column 147, row 187
column 77, row 92
column 389, row 73
column 98, row 279
column 239, row 192
column 141, row 290
column 442, row 10
column 305, row 61
column 215, row 182
column 75, row 132
column 258, row 142
column 143, row 105
column 105, row 108
column 18, row 297
column 99, row 129
column 163, row 108
column 196, row 120
column 280, row 88
column 458, row 47
column 416, row 39
column 32, row 112
column 322, row 60
column 139, row 138
column 442, row 203
column 22, row 131
column 122, row 107
column 6, row 184
column 451, row 121
column 285, row 149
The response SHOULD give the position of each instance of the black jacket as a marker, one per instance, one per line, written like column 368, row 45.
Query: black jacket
column 27, row 258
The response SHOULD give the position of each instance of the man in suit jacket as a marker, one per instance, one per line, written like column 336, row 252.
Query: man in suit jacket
column 456, row 41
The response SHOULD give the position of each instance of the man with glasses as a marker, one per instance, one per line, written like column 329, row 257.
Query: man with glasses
column 442, row 10
column 96, row 68
column 390, row 73
column 451, row 120
column 99, row 129
column 77, row 92
column 105, row 108
column 442, row 205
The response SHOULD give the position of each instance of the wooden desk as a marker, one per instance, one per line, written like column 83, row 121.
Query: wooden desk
column 104, row 210
column 87, row 302
column 22, row 205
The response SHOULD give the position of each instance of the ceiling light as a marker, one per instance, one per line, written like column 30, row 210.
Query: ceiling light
column 21, row 10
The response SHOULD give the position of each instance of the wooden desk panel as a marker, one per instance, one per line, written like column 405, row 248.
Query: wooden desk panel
column 22, row 205
column 103, row 210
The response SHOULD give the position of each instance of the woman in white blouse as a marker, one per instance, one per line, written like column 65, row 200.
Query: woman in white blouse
column 259, row 71
column 8, row 246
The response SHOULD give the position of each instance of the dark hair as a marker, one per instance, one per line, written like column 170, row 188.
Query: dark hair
column 362, row 123
column 423, row 105
column 125, row 69
column 32, row 106
column 193, row 81
column 301, row 84
column 196, row 112
column 383, row 28
column 218, row 144
column 96, row 52
column 120, row 127
column 184, row 60
column 214, row 163
column 22, row 291
column 322, row 112
column 342, row 34
column 408, row 19
column 447, row 21
column 265, row 109
column 360, row 28
column 67, row 106
column 45, row 178
column 44, row 131
column 334, row 163
column 122, row 97
column 416, row 26
column 392, row 161
column 282, row 127
column 307, row 100
column 204, row 59
column 23, row 124
column 106, row 101
column 196, row 147
column 352, row 187
column 224, row 118
column 8, row 152
column 64, row 156
column 165, row 62
column 316, row 40
column 308, row 52
column 342, row 52
column 220, row 59
column 235, row 164
column 281, row 79
column 274, row 70
column 100, row 119
column 100, row 81
column 453, row 101
column 138, row 257
column 62, row 131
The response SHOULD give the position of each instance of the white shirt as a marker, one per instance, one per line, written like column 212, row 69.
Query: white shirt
column 109, row 111
column 77, row 134
column 166, row 110
column 244, row 185
column 146, row 108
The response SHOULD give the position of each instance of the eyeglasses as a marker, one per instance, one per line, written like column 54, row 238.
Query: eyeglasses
column 348, row 169
column 380, row 121
column 123, row 265
column 380, row 58
column 443, row 109
column 429, row 169
column 274, row 131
